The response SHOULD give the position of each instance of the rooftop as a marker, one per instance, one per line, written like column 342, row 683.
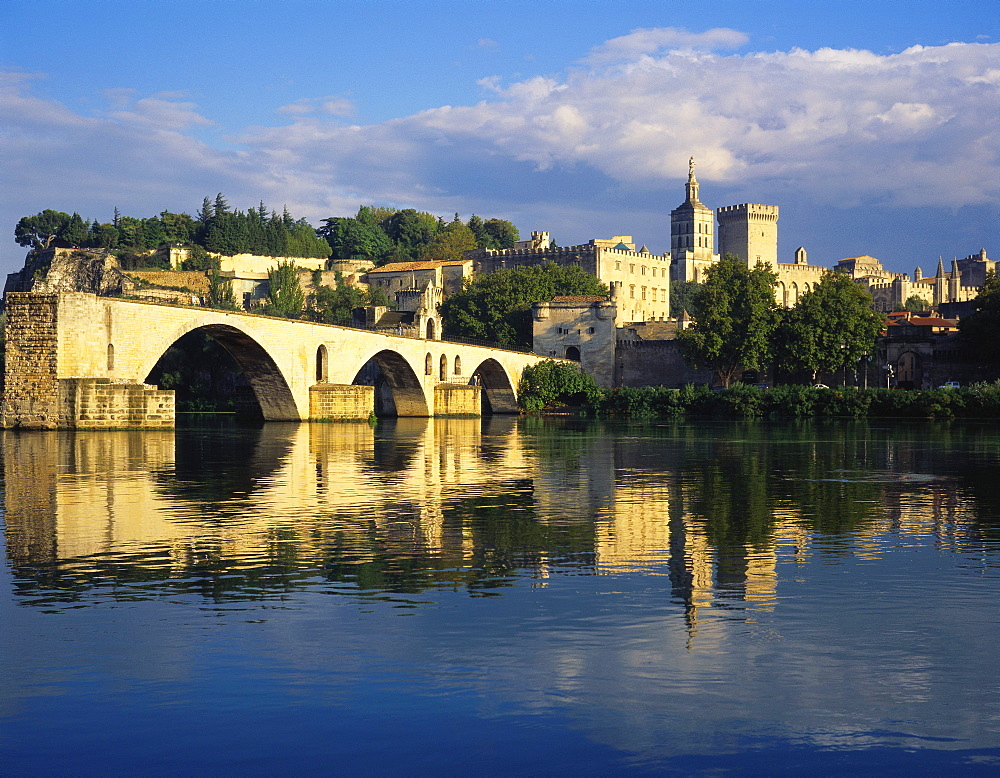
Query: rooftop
column 431, row 264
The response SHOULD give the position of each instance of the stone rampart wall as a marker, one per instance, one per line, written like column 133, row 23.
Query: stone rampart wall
column 655, row 363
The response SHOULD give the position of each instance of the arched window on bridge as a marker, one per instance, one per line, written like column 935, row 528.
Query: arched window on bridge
column 111, row 356
column 429, row 364
column 458, row 365
column 430, row 329
column 444, row 367
column 322, row 370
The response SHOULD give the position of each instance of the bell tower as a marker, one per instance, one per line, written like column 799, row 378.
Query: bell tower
column 692, row 234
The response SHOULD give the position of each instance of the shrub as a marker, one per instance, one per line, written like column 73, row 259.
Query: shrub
column 551, row 383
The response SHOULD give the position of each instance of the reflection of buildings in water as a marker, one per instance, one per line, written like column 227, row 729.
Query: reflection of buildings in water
column 301, row 494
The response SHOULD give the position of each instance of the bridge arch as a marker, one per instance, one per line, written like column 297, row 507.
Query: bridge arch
column 262, row 373
column 407, row 390
column 497, row 387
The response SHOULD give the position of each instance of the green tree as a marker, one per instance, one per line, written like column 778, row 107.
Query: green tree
column 555, row 383
column 335, row 304
column 735, row 318
column 451, row 242
column 75, row 232
column 914, row 304
column 497, row 306
column 501, row 233
column 980, row 330
column 681, row 296
column 36, row 231
column 220, row 292
column 285, row 297
column 410, row 231
column 831, row 328
column 356, row 239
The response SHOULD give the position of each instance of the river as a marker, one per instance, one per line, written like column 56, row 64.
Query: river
column 502, row 597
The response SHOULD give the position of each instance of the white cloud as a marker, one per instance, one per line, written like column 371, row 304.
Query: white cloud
column 332, row 105
column 651, row 41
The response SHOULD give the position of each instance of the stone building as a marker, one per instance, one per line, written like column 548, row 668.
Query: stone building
column 748, row 231
column 641, row 277
column 891, row 290
column 615, row 351
column 417, row 288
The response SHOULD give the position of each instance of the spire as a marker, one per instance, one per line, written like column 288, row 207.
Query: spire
column 955, row 272
column 940, row 270
column 692, row 184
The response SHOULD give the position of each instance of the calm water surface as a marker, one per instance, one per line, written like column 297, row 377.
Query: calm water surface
column 502, row 597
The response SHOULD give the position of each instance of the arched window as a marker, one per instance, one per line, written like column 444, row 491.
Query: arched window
column 111, row 357
column 572, row 352
column 430, row 330
column 444, row 368
column 458, row 365
column 321, row 365
column 428, row 364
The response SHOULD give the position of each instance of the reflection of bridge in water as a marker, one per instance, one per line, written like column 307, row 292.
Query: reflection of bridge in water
column 408, row 506
column 78, row 360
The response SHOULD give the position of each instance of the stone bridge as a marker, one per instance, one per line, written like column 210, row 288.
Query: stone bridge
column 79, row 360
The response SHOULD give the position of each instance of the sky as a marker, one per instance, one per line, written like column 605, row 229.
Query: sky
column 874, row 126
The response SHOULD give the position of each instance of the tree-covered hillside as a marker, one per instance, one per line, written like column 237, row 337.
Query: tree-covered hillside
column 383, row 235
column 216, row 228
column 377, row 234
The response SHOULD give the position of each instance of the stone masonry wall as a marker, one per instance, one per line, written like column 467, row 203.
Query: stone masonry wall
column 655, row 363
column 457, row 400
column 31, row 388
column 103, row 403
column 341, row 402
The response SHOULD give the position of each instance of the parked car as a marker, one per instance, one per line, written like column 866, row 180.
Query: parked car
column 950, row 385
column 820, row 386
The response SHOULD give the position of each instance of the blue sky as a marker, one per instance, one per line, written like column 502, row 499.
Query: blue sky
column 874, row 126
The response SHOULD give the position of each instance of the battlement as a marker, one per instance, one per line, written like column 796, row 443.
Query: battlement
column 752, row 211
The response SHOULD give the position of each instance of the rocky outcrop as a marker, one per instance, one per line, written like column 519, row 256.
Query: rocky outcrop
column 55, row 270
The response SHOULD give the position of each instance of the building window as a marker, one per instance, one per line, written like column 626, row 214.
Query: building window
column 618, row 265
column 643, row 270
column 643, row 293
column 591, row 330
column 631, row 268
column 631, row 291
column 428, row 364
column 111, row 357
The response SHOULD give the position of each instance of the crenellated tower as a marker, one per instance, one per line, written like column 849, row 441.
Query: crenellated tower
column 750, row 231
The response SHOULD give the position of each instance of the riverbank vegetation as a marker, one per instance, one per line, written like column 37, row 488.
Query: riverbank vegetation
column 557, row 387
